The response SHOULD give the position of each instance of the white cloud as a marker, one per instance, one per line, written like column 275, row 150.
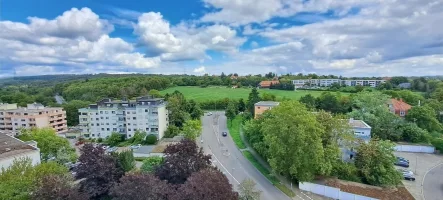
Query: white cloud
column 200, row 70
column 254, row 44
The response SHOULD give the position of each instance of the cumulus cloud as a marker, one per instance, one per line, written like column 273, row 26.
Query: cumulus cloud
column 200, row 70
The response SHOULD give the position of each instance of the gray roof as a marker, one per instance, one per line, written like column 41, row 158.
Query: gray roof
column 267, row 103
column 358, row 124
column 10, row 146
column 144, row 149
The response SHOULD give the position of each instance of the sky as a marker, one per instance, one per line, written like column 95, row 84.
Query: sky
column 346, row 37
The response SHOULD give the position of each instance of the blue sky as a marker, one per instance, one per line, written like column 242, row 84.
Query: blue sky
column 347, row 37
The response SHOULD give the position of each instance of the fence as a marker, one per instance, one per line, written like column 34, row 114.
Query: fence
column 414, row 148
column 331, row 192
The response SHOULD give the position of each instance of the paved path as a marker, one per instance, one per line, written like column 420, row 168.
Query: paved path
column 230, row 160
column 433, row 183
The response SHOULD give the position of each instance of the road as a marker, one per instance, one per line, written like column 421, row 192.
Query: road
column 59, row 99
column 230, row 160
column 433, row 184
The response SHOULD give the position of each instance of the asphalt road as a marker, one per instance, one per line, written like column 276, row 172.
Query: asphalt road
column 230, row 160
column 433, row 184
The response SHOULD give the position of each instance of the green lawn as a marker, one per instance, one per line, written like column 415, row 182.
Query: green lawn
column 220, row 92
column 267, row 174
column 234, row 131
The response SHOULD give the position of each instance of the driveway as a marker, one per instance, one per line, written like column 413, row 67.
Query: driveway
column 428, row 172
column 230, row 160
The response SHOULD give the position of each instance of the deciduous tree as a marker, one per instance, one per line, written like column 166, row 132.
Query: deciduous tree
column 152, row 188
column 252, row 99
column 231, row 110
column 57, row 187
column 151, row 163
column 309, row 101
column 125, row 160
column 171, row 131
column 424, row 117
column 192, row 129
column 247, row 190
column 114, row 139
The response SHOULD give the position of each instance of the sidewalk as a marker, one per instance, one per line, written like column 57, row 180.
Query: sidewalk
column 298, row 193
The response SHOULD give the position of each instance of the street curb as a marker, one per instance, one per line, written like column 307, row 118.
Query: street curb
column 424, row 177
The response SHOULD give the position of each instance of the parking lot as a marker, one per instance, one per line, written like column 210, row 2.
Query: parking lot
column 420, row 164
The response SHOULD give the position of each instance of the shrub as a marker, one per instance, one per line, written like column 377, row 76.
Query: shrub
column 346, row 171
column 438, row 143
column 151, row 139
column 149, row 164
column 100, row 140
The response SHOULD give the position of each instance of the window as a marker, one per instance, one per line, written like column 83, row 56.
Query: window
column 101, row 117
column 23, row 120
column 129, row 129
column 114, row 129
column 93, row 135
column 113, row 112
column 134, row 118
column 92, row 124
column 107, row 129
column 130, row 135
column 106, row 112
column 146, row 110
column 107, row 117
column 24, row 125
column 129, row 124
column 96, row 119
column 133, row 112
column 402, row 113
column 101, row 112
column 258, row 107
column 107, row 124
column 26, row 114
column 103, row 129
column 16, row 124
column 98, row 124
column 147, row 129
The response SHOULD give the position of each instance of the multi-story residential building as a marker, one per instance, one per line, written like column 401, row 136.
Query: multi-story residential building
column 262, row 106
column 328, row 82
column 125, row 117
column 12, row 148
column 13, row 118
column 399, row 107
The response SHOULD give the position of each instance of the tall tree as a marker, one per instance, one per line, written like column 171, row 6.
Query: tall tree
column 294, row 139
column 376, row 163
column 231, row 110
column 125, row 160
column 268, row 97
column 328, row 101
column 99, row 171
column 252, row 99
column 424, row 117
column 241, row 105
column 192, row 129
column 207, row 183
column 194, row 109
column 413, row 133
column 171, row 131
column 309, row 101
column 153, row 188
column 396, row 80
column 181, row 160
column 57, row 187
column 71, row 109
column 114, row 139
column 177, row 110
column 155, row 93
column 247, row 190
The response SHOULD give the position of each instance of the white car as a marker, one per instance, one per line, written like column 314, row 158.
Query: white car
column 406, row 172
column 210, row 113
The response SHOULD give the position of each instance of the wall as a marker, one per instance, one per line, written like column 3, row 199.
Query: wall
column 258, row 110
column 33, row 155
column 331, row 192
column 162, row 121
column 414, row 148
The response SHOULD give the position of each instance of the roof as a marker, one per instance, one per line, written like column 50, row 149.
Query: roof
column 268, row 83
column 267, row 103
column 10, row 146
column 400, row 105
column 358, row 124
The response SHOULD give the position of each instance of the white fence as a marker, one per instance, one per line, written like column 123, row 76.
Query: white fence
column 331, row 192
column 414, row 148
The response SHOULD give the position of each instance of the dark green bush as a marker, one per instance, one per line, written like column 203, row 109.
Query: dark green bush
column 151, row 139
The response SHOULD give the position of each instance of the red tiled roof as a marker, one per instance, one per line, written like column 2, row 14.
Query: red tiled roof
column 268, row 83
column 400, row 105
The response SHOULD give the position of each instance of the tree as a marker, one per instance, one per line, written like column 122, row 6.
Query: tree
column 139, row 137
column 154, row 93
column 114, row 139
column 207, row 183
column 57, row 187
column 181, row 160
column 177, row 110
column 294, row 139
column 241, row 105
column 195, row 111
column 171, row 131
column 309, row 101
column 328, row 101
column 424, row 117
column 71, row 109
column 192, row 129
column 247, row 190
column 413, row 133
column 359, row 88
column 130, row 185
column 49, row 143
column 99, row 171
column 268, row 97
column 231, row 110
column 21, row 178
column 143, row 92
column 376, row 163
column 151, row 163
column 151, row 139
column 396, row 80
column 252, row 99
column 125, row 160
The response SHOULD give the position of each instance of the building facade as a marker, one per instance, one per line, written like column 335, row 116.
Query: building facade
column 300, row 83
column 14, row 118
column 399, row 107
column 125, row 117
column 13, row 149
column 262, row 106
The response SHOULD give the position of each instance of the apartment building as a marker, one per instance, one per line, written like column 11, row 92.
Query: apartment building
column 13, row 118
column 328, row 82
column 125, row 117
column 262, row 106
column 12, row 148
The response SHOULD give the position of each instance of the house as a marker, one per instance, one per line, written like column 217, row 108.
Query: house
column 262, row 106
column 14, row 118
column 145, row 113
column 362, row 133
column 267, row 84
column 399, row 107
column 12, row 148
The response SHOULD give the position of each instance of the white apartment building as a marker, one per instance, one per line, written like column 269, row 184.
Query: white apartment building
column 125, row 117
column 14, row 118
column 328, row 82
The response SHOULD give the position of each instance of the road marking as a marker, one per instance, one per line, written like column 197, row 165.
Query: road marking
column 227, row 171
column 306, row 195
column 424, row 177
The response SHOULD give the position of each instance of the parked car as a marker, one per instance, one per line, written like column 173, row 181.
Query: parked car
column 401, row 163
column 405, row 171
column 409, row 177
column 224, row 134
column 135, row 146
column 403, row 159
column 210, row 113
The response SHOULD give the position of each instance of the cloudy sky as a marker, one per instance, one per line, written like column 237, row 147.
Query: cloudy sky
column 341, row 37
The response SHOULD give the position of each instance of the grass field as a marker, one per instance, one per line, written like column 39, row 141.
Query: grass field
column 220, row 92
column 234, row 131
